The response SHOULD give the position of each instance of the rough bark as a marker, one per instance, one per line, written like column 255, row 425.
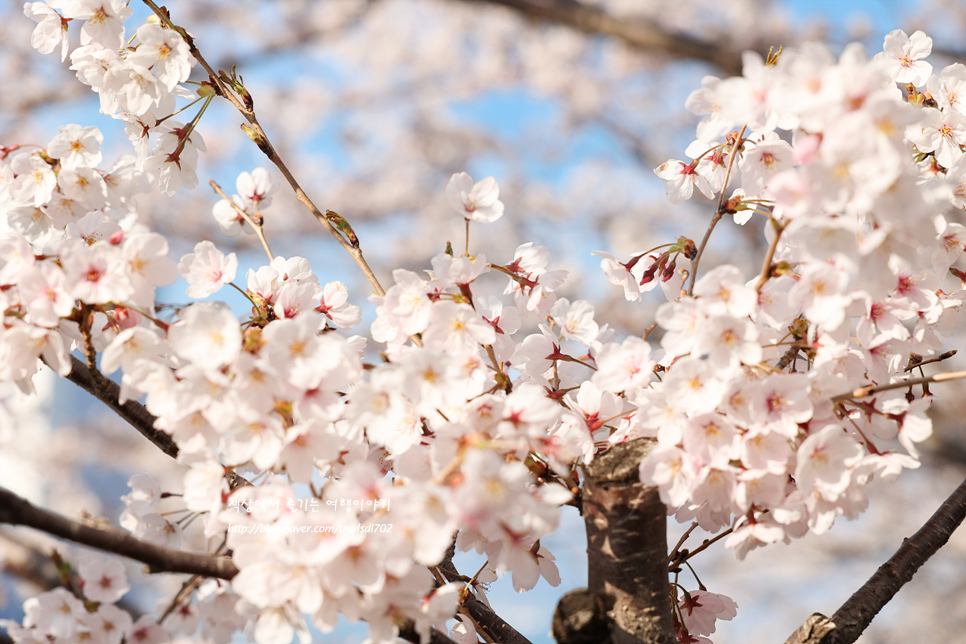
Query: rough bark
column 626, row 526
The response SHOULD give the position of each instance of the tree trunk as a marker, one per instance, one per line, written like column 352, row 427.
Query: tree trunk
column 627, row 546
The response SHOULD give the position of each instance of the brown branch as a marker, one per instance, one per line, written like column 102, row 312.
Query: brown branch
column 637, row 33
column 133, row 412
column 491, row 624
column 17, row 511
column 857, row 612
column 407, row 631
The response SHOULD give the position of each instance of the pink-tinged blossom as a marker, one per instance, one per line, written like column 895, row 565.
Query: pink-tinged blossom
column 76, row 146
column 95, row 274
column 619, row 274
column 229, row 220
column 408, row 301
column 682, row 179
column 705, row 102
column 749, row 535
column 669, row 469
column 624, row 367
column 175, row 157
column 700, row 609
column 767, row 158
column 825, row 460
column 104, row 579
column 165, row 52
column 298, row 353
column 681, row 321
column 765, row 450
column 295, row 297
column 781, row 402
column 145, row 494
column 728, row 342
column 207, row 335
column 136, row 88
column 54, row 613
column 16, row 256
column 43, row 292
column 51, row 29
column 85, row 185
column 35, row 181
column 257, row 188
column 130, row 345
column 207, row 269
column 759, row 487
column 696, row 387
column 575, row 321
column 940, row 133
column 335, row 306
column 949, row 88
column 537, row 353
column 148, row 264
column 147, row 631
column 478, row 202
column 723, row 290
column 104, row 20
column 712, row 439
column 751, row 98
column 915, row 425
column 457, row 329
column 92, row 228
column 903, row 56
column 819, row 294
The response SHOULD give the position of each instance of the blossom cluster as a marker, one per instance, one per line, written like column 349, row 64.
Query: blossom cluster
column 479, row 409
column 87, row 611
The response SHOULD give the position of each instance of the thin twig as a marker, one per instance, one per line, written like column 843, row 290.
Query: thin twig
column 717, row 211
column 684, row 537
column 260, row 138
column 707, row 543
column 868, row 390
column 939, row 358
column 766, row 265
column 248, row 218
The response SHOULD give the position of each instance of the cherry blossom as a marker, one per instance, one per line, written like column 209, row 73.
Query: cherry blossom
column 478, row 201
column 207, row 269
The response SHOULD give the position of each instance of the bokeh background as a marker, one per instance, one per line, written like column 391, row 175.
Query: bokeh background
column 374, row 104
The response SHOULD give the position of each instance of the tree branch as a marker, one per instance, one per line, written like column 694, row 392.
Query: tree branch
column 854, row 615
column 636, row 33
column 133, row 412
column 17, row 511
column 489, row 622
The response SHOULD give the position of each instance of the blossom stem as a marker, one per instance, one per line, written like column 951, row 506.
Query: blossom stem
column 717, row 211
column 684, row 537
column 707, row 543
column 244, row 215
